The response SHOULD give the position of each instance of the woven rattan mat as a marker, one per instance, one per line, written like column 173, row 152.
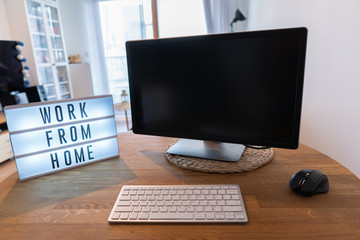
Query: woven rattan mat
column 249, row 160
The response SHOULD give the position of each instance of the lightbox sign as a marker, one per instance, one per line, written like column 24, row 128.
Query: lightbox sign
column 48, row 137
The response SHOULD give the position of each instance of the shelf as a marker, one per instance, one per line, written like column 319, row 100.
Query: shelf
column 55, row 35
column 61, row 64
column 35, row 17
column 38, row 33
column 53, row 21
column 44, row 64
column 51, row 98
column 41, row 27
column 41, row 49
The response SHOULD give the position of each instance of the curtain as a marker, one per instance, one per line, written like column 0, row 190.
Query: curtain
column 95, row 42
column 216, row 16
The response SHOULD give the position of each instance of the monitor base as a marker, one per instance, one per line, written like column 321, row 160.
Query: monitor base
column 229, row 152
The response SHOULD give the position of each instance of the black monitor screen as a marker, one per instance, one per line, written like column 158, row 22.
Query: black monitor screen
column 237, row 87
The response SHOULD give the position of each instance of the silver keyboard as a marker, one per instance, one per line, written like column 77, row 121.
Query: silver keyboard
column 179, row 203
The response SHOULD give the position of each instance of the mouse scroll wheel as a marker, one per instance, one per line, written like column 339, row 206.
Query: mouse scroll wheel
column 307, row 174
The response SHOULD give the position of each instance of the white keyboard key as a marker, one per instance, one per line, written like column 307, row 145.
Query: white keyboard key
column 227, row 197
column 219, row 216
column 163, row 209
column 195, row 203
column 123, row 209
column 239, row 216
column 143, row 216
column 137, row 209
column 124, row 215
column 232, row 209
column 199, row 209
column 210, row 216
column 218, row 197
column 199, row 215
column 222, row 192
column 125, row 198
column 124, row 203
column 115, row 215
column 155, row 209
column 213, row 192
column 190, row 209
column 181, row 209
column 217, row 209
column 133, row 216
column 208, row 209
column 231, row 191
column 146, row 209
column 172, row 209
column 233, row 203
column 212, row 203
column 171, row 216
column 235, row 197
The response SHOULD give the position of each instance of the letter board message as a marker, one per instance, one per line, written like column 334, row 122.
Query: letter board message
column 51, row 136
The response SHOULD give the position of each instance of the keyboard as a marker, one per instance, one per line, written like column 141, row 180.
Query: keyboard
column 220, row 203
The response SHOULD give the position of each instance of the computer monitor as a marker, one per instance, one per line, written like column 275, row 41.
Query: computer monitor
column 234, row 89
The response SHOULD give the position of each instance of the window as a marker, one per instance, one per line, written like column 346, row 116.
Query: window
column 123, row 20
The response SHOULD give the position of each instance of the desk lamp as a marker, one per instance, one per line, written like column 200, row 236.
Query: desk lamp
column 238, row 17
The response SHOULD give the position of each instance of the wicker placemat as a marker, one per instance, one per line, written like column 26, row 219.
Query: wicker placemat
column 249, row 160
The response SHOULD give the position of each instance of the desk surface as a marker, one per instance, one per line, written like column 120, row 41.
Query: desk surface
column 76, row 203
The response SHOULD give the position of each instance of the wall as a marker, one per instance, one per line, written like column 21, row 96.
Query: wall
column 175, row 18
column 80, row 24
column 73, row 21
column 4, row 26
column 331, row 105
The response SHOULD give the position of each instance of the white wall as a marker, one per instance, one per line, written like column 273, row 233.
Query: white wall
column 73, row 21
column 331, row 103
column 176, row 18
column 79, row 23
column 4, row 26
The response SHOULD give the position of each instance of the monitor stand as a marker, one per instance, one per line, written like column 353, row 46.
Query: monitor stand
column 230, row 152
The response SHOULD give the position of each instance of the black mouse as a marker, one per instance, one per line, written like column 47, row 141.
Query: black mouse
column 308, row 182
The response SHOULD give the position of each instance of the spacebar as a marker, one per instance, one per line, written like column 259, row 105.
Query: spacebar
column 171, row 216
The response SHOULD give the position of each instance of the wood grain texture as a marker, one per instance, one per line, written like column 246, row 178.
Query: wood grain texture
column 75, row 204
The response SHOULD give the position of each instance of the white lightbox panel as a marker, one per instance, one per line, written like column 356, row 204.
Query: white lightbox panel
column 72, row 133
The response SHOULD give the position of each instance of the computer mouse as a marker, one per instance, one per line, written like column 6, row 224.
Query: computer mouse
column 308, row 182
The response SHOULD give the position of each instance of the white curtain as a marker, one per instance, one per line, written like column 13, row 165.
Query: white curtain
column 216, row 16
column 95, row 42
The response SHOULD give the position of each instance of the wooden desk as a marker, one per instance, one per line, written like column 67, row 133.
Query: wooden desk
column 75, row 204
